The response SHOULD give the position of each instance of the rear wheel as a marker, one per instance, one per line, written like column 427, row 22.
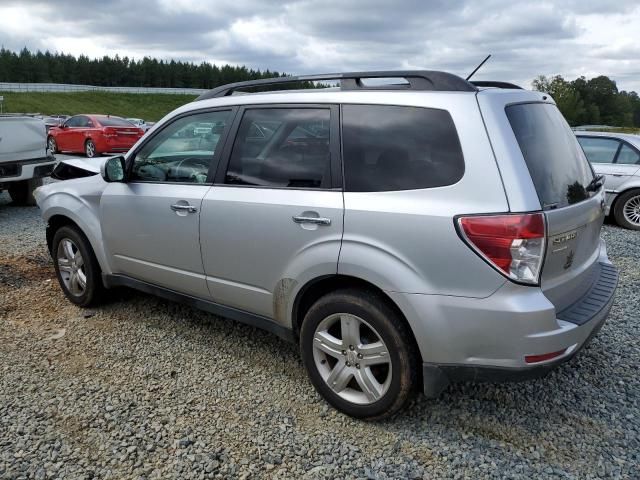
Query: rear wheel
column 22, row 192
column 76, row 267
column 627, row 210
column 359, row 354
column 90, row 149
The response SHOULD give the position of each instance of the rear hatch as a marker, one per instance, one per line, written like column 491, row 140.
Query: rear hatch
column 22, row 138
column 562, row 178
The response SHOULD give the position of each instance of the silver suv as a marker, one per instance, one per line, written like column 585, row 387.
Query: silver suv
column 406, row 231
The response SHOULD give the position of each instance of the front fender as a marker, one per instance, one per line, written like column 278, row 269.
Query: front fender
column 78, row 200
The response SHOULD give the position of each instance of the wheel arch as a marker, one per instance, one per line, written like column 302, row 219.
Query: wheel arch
column 60, row 208
column 635, row 185
column 54, row 224
column 309, row 293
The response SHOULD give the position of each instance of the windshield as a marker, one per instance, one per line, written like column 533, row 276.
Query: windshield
column 558, row 166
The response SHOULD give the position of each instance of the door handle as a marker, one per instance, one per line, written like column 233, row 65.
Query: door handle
column 183, row 208
column 315, row 220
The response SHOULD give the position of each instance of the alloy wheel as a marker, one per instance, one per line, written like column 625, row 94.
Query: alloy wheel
column 90, row 149
column 52, row 145
column 631, row 210
column 352, row 358
column 71, row 267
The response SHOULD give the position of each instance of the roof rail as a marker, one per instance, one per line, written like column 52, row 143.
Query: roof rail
column 416, row 80
column 491, row 83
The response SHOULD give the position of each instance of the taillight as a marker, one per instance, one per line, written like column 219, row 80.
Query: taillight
column 109, row 132
column 513, row 243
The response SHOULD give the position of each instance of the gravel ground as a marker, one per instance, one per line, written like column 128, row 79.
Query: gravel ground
column 143, row 388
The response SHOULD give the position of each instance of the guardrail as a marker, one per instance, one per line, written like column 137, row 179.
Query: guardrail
column 67, row 87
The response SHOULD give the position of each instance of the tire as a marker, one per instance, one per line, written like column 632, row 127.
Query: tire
column 92, row 292
column 626, row 210
column 52, row 145
column 343, row 311
column 22, row 192
column 90, row 149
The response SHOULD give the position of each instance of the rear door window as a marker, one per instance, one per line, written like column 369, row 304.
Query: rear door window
column 282, row 147
column 599, row 150
column 387, row 148
column 558, row 167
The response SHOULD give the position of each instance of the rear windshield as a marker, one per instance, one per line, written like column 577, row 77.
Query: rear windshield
column 114, row 122
column 558, row 167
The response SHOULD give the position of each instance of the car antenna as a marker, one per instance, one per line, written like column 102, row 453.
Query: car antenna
column 478, row 67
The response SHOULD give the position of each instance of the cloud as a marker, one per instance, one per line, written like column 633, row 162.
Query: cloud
column 566, row 37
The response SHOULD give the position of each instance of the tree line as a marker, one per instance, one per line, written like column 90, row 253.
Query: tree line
column 596, row 101
column 47, row 67
column 582, row 101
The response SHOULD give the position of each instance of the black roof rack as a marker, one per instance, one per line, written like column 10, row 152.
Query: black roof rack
column 491, row 83
column 416, row 80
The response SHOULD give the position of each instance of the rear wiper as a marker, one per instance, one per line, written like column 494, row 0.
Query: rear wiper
column 595, row 184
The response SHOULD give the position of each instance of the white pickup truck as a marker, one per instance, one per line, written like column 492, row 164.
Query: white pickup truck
column 24, row 159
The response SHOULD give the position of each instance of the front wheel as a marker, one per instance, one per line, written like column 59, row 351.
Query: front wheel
column 53, row 146
column 359, row 354
column 90, row 149
column 76, row 267
column 627, row 210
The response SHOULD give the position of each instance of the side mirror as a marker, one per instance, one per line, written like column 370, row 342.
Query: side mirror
column 112, row 169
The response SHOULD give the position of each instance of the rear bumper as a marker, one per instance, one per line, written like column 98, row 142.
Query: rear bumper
column 465, row 373
column 487, row 339
column 26, row 169
column 109, row 144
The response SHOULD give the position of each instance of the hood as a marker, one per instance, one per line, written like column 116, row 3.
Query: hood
column 70, row 168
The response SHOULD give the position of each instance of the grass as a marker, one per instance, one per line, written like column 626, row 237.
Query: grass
column 631, row 130
column 151, row 106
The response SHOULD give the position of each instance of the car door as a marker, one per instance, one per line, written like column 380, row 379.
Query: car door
column 627, row 163
column 64, row 137
column 78, row 133
column 151, row 222
column 611, row 157
column 275, row 214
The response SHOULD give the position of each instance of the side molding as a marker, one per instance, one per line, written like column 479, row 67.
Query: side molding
column 254, row 320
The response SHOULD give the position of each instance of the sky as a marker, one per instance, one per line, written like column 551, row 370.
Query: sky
column 571, row 38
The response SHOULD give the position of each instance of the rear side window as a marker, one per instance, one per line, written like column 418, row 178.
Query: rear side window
column 388, row 148
column 558, row 167
column 628, row 156
column 282, row 147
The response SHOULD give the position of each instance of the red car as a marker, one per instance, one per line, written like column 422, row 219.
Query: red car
column 93, row 135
